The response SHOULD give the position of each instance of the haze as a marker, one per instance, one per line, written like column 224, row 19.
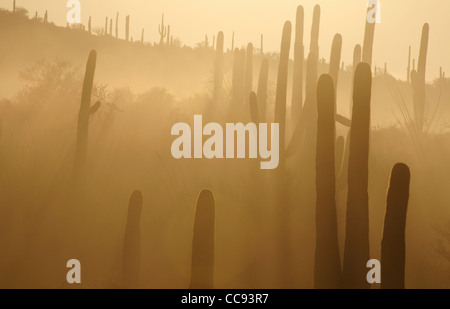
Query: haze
column 401, row 23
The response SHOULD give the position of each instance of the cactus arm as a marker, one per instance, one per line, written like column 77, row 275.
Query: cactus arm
column 343, row 120
column 94, row 107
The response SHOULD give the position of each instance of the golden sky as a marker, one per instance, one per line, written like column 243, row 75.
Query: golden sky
column 190, row 20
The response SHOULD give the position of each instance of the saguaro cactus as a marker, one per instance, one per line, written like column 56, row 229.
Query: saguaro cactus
column 369, row 34
column 327, row 267
column 132, row 242
column 356, row 252
column 393, row 242
column 117, row 25
column 142, row 36
column 299, row 50
column 418, row 81
column 106, row 26
column 335, row 60
column 86, row 110
column 202, row 264
column 90, row 25
column 262, row 89
column 46, row 17
column 232, row 42
column 248, row 71
column 14, row 6
column 162, row 31
column 314, row 45
column 218, row 68
column 127, row 28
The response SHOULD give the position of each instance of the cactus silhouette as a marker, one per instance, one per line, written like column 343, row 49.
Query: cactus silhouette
column 369, row 34
column 335, row 60
column 132, row 242
column 162, row 31
column 90, row 25
column 393, row 242
column 14, row 6
column 117, row 25
column 262, row 45
column 46, row 17
column 356, row 252
column 299, row 50
column 327, row 267
column 202, row 264
column 314, row 45
column 218, row 69
column 106, row 26
column 110, row 26
column 142, row 36
column 418, row 81
column 356, row 61
column 127, row 28
column 248, row 86
column 86, row 110
column 262, row 89
column 232, row 42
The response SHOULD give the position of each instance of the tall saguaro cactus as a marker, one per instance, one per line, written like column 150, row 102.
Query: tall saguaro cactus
column 299, row 50
column 86, row 110
column 418, row 81
column 393, row 243
column 127, row 28
column 282, row 236
column 327, row 267
column 369, row 34
column 202, row 264
column 356, row 252
column 314, row 45
column 335, row 60
column 162, row 31
column 218, row 68
column 131, row 262
column 117, row 25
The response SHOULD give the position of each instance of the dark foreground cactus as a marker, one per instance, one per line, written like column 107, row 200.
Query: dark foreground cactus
column 131, row 262
column 327, row 266
column 86, row 110
column 393, row 242
column 356, row 252
column 202, row 264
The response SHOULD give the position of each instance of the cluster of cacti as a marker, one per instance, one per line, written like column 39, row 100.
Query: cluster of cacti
column 418, row 82
column 131, row 259
column 86, row 110
column 202, row 262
